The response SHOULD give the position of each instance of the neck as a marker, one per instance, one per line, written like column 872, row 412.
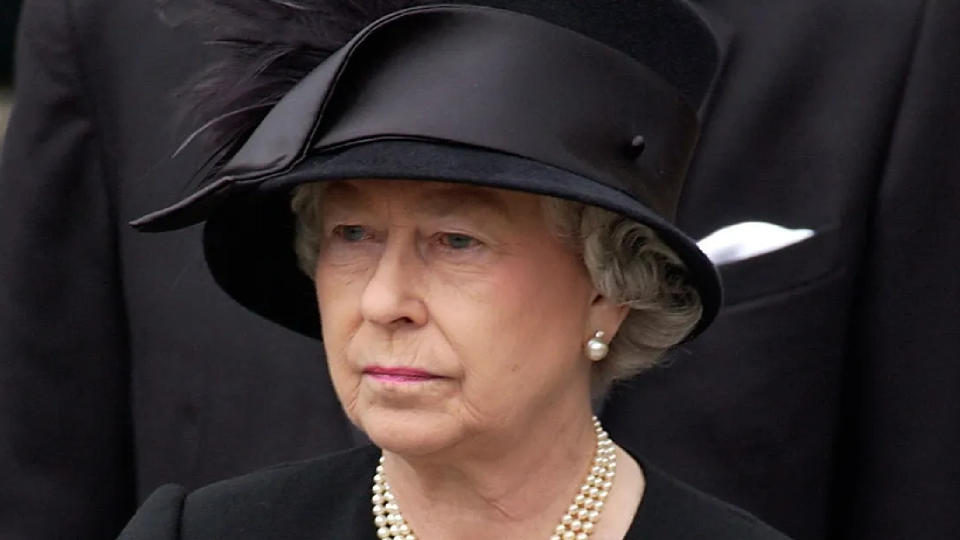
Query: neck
column 515, row 484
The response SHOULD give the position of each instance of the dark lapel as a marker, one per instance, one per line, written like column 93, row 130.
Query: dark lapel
column 725, row 34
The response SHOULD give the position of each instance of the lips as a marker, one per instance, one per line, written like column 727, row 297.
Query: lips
column 399, row 374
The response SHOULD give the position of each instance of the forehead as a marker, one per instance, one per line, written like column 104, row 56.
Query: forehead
column 435, row 198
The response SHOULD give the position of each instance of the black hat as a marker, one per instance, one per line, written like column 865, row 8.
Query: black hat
column 593, row 101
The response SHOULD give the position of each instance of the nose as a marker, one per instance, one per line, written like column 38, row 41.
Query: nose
column 391, row 297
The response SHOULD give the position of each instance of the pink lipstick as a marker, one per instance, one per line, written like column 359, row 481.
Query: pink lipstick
column 399, row 374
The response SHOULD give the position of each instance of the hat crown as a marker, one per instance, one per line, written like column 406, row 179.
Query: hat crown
column 578, row 104
column 668, row 36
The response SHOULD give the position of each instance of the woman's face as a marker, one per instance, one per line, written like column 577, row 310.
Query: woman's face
column 449, row 312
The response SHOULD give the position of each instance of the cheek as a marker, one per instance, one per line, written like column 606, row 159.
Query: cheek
column 520, row 324
column 544, row 309
column 337, row 299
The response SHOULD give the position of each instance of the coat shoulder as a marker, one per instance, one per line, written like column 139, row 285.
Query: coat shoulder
column 159, row 516
column 292, row 499
column 672, row 509
column 322, row 493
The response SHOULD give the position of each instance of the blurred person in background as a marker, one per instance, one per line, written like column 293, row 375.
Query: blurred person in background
column 837, row 118
column 122, row 366
column 822, row 399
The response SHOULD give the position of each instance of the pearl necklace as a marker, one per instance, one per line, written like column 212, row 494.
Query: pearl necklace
column 577, row 523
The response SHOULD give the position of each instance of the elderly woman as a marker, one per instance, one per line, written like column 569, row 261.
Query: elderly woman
column 476, row 204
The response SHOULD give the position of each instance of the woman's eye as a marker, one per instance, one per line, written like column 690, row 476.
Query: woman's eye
column 458, row 241
column 351, row 233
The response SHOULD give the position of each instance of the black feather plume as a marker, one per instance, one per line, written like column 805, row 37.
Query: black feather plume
column 267, row 47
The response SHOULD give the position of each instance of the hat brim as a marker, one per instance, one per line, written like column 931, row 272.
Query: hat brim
column 249, row 238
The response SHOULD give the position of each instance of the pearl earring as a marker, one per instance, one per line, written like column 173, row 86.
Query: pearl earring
column 596, row 349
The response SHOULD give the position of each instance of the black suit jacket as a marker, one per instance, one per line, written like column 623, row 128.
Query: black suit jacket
column 822, row 400
column 122, row 365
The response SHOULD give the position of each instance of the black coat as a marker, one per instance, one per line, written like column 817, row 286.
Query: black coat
column 822, row 400
column 329, row 498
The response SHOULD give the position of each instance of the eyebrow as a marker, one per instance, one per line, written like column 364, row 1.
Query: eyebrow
column 447, row 200
column 340, row 190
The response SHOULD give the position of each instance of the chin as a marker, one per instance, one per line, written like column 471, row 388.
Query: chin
column 409, row 432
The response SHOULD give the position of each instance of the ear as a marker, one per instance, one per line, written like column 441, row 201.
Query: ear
column 605, row 316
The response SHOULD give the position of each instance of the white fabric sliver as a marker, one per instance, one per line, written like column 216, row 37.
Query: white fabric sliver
column 749, row 239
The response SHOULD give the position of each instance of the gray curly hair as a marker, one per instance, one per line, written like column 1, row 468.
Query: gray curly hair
column 626, row 261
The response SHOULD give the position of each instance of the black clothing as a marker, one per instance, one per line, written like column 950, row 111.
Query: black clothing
column 122, row 365
column 329, row 497
column 9, row 13
column 823, row 396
